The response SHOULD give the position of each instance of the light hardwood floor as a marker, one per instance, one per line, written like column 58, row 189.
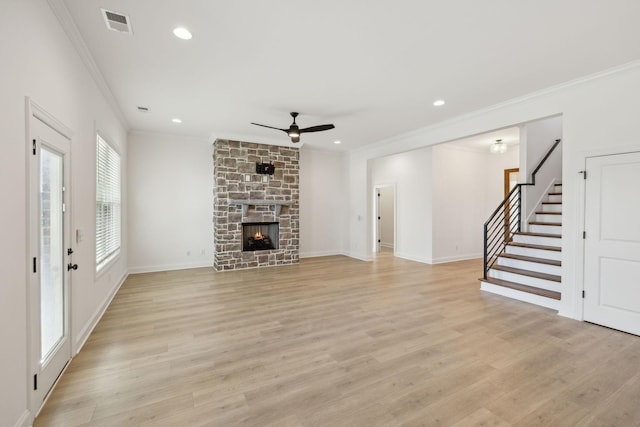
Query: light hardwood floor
column 338, row 342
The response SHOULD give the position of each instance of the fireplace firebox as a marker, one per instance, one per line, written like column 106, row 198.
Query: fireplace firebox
column 260, row 236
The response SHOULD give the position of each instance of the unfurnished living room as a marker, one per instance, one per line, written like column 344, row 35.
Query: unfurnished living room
column 320, row 213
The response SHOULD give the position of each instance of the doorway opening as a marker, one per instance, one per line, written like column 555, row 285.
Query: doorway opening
column 50, row 253
column 385, row 219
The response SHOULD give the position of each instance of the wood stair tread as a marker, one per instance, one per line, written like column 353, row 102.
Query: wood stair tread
column 551, row 203
column 529, row 273
column 548, row 213
column 545, row 223
column 529, row 233
column 555, row 194
column 532, row 259
column 523, row 288
column 534, row 246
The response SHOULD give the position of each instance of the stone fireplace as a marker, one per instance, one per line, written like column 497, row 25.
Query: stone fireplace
column 249, row 206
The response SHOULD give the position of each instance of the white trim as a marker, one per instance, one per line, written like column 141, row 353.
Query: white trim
column 368, row 258
column 321, row 254
column 538, row 204
column 61, row 12
column 414, row 258
column 85, row 332
column 170, row 267
column 444, row 260
column 520, row 296
column 33, row 111
column 25, row 419
column 513, row 101
column 576, row 309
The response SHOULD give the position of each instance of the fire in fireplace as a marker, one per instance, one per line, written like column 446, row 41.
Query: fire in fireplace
column 260, row 236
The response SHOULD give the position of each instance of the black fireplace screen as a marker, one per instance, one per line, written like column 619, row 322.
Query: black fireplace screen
column 260, row 236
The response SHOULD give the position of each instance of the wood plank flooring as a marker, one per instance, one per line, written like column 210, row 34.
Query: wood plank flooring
column 335, row 341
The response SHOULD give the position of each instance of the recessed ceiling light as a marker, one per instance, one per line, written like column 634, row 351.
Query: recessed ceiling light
column 438, row 103
column 337, row 142
column 176, row 120
column 182, row 33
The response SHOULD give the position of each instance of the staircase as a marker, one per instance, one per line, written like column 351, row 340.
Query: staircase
column 529, row 268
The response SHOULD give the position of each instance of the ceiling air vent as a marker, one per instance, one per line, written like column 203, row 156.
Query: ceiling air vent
column 117, row 21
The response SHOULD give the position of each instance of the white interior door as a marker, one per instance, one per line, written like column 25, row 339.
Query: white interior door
column 612, row 244
column 50, row 237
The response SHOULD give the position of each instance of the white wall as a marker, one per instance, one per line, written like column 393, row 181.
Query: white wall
column 537, row 138
column 410, row 173
column 459, row 187
column 599, row 115
column 494, row 176
column 170, row 214
column 39, row 61
column 323, row 202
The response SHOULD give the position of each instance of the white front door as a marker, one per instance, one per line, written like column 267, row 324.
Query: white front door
column 50, row 255
column 612, row 242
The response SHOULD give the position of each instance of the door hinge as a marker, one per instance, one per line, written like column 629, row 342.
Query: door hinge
column 35, row 263
column 378, row 240
column 584, row 234
column 378, row 218
column 378, row 194
column 34, row 147
column 35, row 381
column 582, row 294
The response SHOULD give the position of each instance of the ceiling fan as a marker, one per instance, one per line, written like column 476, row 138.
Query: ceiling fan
column 294, row 130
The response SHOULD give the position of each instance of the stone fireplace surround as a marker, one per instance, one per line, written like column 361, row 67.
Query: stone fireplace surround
column 241, row 195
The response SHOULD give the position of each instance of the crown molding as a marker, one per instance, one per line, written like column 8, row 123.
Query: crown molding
column 513, row 101
column 71, row 29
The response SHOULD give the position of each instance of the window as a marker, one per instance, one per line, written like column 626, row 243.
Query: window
column 107, row 203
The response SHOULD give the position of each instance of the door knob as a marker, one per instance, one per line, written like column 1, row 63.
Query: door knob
column 72, row 266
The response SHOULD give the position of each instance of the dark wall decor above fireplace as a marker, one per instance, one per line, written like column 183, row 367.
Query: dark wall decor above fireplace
column 241, row 196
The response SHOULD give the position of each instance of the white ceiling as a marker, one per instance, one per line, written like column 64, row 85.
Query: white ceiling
column 373, row 68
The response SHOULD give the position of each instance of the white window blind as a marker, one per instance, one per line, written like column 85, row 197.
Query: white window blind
column 107, row 202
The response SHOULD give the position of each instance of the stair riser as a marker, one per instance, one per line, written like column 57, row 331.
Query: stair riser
column 531, row 266
column 537, row 240
column 536, row 253
column 521, row 296
column 525, row 280
column 548, row 229
column 555, row 198
column 548, row 218
column 551, row 208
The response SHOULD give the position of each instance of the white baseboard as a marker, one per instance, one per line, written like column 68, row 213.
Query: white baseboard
column 170, row 267
column 24, row 420
column 368, row 258
column 413, row 258
column 320, row 254
column 443, row 260
column 89, row 327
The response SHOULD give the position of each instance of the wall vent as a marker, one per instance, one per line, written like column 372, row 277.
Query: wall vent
column 117, row 21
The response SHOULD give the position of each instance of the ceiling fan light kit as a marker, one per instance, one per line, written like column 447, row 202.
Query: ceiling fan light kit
column 294, row 130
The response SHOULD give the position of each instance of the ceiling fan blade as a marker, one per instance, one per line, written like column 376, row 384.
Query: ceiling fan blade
column 316, row 128
column 270, row 127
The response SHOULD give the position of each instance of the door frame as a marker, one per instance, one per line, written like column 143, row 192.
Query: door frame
column 35, row 112
column 376, row 213
column 573, row 306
